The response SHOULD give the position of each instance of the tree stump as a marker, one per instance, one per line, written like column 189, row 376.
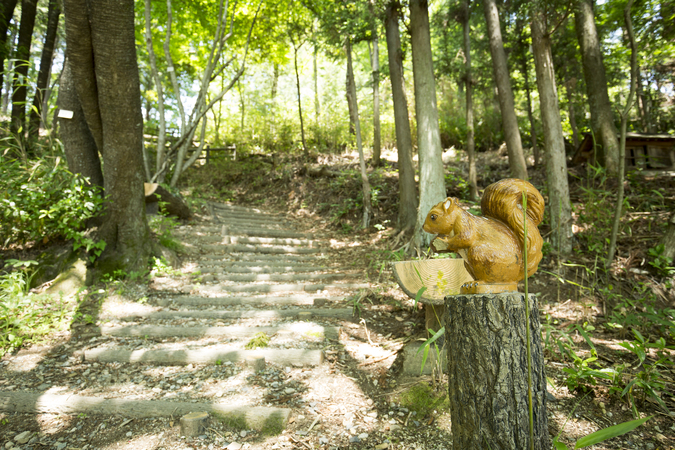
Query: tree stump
column 192, row 424
column 487, row 372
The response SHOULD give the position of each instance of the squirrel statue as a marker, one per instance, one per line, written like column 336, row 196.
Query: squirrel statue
column 491, row 245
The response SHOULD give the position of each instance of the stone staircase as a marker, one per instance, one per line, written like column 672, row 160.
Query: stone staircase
column 189, row 346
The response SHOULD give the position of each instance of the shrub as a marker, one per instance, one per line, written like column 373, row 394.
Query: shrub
column 43, row 201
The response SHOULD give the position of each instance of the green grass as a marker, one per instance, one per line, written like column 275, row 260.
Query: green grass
column 422, row 399
column 28, row 318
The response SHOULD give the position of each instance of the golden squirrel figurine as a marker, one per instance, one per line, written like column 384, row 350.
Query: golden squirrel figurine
column 491, row 245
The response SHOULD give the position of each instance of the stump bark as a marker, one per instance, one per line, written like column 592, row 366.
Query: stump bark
column 487, row 372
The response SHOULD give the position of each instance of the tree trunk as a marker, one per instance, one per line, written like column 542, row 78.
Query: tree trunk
column 602, row 119
column 22, row 55
column 78, row 143
column 487, row 372
column 560, row 209
column 407, row 191
column 53, row 16
column 305, row 151
column 668, row 239
column 530, row 115
column 273, row 100
column 350, row 102
column 431, row 179
column 317, row 105
column 375, row 65
column 117, row 102
column 6, row 13
column 367, row 209
column 505, row 95
column 569, row 90
column 468, row 83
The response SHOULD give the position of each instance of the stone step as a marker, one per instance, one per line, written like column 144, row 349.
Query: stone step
column 252, row 267
column 251, row 223
column 268, row 258
column 255, row 240
column 224, row 230
column 272, row 249
column 158, row 331
column 209, row 355
column 252, row 277
column 268, row 420
column 242, row 209
column 288, row 300
column 305, row 313
column 269, row 288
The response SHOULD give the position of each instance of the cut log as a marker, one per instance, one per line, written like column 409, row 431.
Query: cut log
column 172, row 204
column 487, row 372
column 191, row 425
column 440, row 277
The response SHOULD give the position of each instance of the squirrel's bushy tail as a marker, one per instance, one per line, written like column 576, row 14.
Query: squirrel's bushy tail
column 503, row 200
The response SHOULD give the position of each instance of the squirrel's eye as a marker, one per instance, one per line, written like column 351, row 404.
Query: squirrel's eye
column 433, row 217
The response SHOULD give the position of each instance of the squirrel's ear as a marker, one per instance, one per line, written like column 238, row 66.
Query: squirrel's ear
column 447, row 204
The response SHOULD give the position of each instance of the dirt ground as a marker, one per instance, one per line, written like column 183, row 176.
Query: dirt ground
column 357, row 399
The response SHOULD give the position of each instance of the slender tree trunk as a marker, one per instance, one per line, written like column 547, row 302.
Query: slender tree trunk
column 53, row 16
column 375, row 65
column 602, row 119
column 22, row 55
column 161, row 134
column 569, row 90
column 618, row 209
column 273, row 100
column 501, row 72
column 643, row 106
column 305, row 151
column 317, row 105
column 407, row 191
column 367, row 208
column 111, row 51
column 6, row 13
column 468, row 83
column 556, row 164
column 349, row 80
column 242, row 107
column 530, row 115
column 431, row 179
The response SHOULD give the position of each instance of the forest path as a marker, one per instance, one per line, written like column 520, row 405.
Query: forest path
column 190, row 344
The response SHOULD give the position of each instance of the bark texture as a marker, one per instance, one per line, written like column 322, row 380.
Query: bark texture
column 505, row 94
column 351, row 93
column 375, row 65
column 105, row 72
column 668, row 239
column 6, row 12
column 602, row 119
column 46, row 59
column 432, row 181
column 470, row 140
column 487, row 372
column 560, row 209
column 407, row 191
column 78, row 143
column 22, row 55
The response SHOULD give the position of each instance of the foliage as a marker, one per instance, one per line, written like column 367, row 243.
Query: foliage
column 41, row 201
column 26, row 317
column 602, row 435
column 260, row 340
column 423, row 400
column 163, row 225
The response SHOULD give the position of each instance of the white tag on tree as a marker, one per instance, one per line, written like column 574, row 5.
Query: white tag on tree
column 65, row 114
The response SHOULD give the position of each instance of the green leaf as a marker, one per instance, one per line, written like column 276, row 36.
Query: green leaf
column 610, row 432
